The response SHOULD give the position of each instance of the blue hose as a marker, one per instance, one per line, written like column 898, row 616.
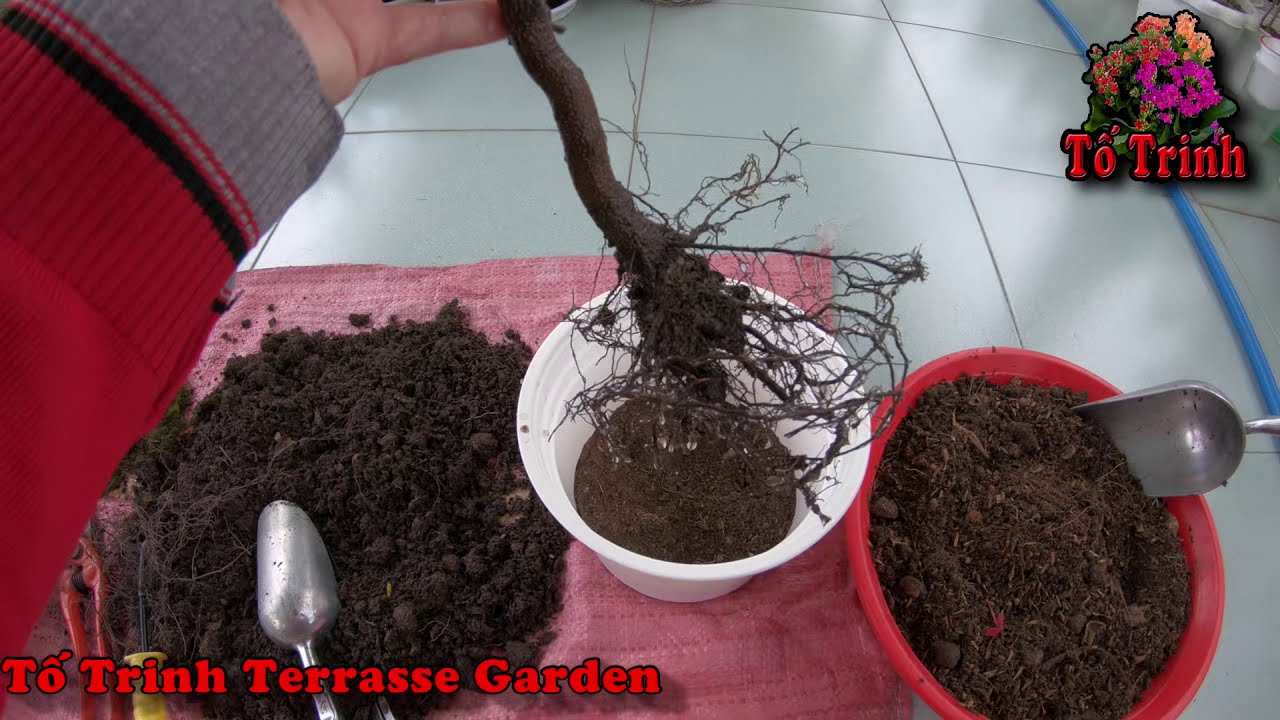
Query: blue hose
column 1208, row 253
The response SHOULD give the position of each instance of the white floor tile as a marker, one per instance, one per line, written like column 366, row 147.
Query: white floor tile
column 1253, row 248
column 1018, row 20
column 1101, row 21
column 1240, row 681
column 920, row 711
column 487, row 88
column 868, row 8
column 1001, row 103
column 738, row 70
column 1259, row 195
column 440, row 198
column 1105, row 276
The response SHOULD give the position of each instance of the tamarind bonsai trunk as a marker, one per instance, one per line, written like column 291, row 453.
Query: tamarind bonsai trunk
column 635, row 238
column 663, row 277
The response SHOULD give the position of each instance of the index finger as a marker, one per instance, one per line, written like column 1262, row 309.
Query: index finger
column 420, row 30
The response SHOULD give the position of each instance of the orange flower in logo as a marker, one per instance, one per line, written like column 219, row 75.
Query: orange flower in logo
column 1151, row 22
column 1186, row 26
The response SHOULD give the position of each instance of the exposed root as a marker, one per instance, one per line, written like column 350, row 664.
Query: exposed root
column 713, row 350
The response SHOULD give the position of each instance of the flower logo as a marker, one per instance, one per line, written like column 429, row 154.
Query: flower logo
column 1155, row 98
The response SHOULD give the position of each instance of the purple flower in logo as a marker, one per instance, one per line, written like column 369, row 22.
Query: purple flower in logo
column 1163, row 96
column 1146, row 74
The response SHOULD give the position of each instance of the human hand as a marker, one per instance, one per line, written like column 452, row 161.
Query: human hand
column 351, row 39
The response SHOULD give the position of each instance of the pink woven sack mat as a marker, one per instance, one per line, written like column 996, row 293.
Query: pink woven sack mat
column 792, row 643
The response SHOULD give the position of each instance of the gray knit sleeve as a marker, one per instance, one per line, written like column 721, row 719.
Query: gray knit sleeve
column 234, row 84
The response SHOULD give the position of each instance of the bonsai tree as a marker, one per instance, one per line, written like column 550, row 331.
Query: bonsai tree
column 706, row 343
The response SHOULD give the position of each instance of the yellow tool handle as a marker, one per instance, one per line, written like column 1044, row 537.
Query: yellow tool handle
column 147, row 706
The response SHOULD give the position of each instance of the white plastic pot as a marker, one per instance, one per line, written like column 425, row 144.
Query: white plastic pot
column 565, row 364
column 560, row 13
column 1234, row 35
column 1263, row 84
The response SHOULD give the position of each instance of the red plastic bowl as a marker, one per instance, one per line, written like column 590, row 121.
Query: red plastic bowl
column 1173, row 690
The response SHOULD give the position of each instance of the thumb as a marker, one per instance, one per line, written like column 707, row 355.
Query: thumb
column 419, row 30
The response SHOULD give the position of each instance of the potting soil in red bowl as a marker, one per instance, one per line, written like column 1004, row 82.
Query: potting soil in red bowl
column 1174, row 688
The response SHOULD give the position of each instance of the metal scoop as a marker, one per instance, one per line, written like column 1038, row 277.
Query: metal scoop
column 297, row 594
column 1181, row 438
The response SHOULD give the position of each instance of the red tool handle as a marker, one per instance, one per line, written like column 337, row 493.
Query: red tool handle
column 86, row 571
column 70, row 600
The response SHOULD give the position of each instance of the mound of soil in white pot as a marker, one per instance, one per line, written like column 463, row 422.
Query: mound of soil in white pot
column 672, row 496
column 1024, row 564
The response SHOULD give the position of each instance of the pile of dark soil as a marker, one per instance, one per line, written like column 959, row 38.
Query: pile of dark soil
column 399, row 443
column 729, row 497
column 1023, row 563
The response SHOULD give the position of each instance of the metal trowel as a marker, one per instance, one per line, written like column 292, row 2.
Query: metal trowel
column 297, row 592
column 1180, row 438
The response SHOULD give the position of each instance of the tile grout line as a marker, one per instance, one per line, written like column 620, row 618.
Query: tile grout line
column 1040, row 173
column 359, row 93
column 272, row 233
column 804, row 10
column 920, row 78
column 971, row 33
column 855, row 148
column 1226, row 249
column 1004, row 290
column 639, row 106
column 1037, row 173
column 1263, row 218
column 259, row 250
column 1221, row 243
column 890, row 19
column 808, row 143
column 409, row 131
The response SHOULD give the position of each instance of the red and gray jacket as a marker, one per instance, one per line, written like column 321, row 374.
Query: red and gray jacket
column 146, row 147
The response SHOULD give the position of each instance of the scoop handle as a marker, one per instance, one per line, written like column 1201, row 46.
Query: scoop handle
column 147, row 706
column 325, row 707
column 1267, row 425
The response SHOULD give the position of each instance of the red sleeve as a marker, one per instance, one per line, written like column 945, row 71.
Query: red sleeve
column 75, row 393
column 119, row 230
column 89, row 216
